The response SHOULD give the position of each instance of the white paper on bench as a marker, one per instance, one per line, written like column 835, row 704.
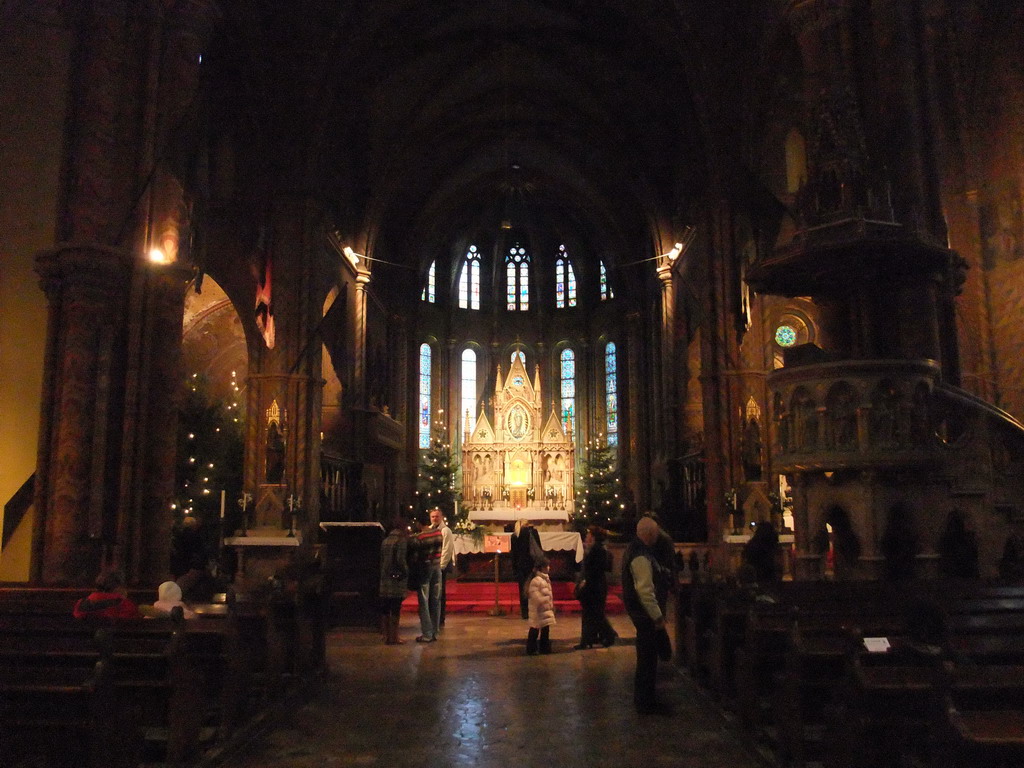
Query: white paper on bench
column 876, row 644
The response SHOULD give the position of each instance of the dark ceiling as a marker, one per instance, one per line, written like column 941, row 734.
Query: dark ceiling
column 425, row 119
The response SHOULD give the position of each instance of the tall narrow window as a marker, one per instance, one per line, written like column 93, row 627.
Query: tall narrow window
column 611, row 396
column 469, row 280
column 468, row 409
column 606, row 289
column 565, row 281
column 568, row 389
column 425, row 395
column 517, row 278
column 428, row 289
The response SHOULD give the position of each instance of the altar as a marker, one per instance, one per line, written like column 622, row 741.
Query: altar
column 518, row 461
column 550, row 541
column 511, row 514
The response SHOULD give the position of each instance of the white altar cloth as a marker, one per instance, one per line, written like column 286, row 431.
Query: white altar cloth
column 549, row 540
column 505, row 514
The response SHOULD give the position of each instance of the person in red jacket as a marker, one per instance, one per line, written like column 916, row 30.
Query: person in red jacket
column 108, row 601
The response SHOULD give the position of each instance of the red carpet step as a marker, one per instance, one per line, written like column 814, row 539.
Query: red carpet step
column 479, row 597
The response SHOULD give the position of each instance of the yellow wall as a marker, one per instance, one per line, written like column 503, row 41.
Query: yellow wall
column 33, row 87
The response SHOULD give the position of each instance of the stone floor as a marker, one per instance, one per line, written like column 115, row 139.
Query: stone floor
column 475, row 699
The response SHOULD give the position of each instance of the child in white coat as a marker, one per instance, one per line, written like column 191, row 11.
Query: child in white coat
column 542, row 608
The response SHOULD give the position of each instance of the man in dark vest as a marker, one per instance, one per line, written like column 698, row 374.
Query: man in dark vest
column 641, row 575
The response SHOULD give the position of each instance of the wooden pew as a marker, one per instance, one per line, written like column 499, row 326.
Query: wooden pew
column 886, row 705
column 179, row 682
column 63, row 710
column 814, row 663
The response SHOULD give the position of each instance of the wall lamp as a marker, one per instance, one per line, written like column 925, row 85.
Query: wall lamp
column 351, row 255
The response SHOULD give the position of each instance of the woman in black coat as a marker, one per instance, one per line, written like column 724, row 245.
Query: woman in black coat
column 526, row 549
column 592, row 592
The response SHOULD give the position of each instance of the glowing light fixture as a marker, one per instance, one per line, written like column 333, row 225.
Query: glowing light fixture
column 674, row 253
column 351, row 255
column 157, row 256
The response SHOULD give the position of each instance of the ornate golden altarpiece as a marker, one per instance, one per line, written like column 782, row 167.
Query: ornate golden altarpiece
column 522, row 465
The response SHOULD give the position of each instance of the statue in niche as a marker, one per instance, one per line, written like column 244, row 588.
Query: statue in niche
column 275, row 454
column 752, row 450
column 843, row 420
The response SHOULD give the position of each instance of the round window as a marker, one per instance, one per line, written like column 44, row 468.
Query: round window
column 785, row 336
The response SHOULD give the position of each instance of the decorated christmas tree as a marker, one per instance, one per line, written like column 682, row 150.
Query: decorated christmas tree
column 436, row 486
column 210, row 455
column 599, row 498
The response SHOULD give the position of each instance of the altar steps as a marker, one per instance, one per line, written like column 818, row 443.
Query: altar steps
column 479, row 597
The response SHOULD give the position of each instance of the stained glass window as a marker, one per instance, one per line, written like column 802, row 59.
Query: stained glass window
column 468, row 409
column 469, row 280
column 517, row 279
column 428, row 289
column 567, row 374
column 785, row 336
column 522, row 357
column 611, row 388
column 565, row 281
column 606, row 289
column 425, row 395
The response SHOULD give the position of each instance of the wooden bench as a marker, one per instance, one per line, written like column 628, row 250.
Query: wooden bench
column 180, row 684
column 981, row 717
column 886, row 705
column 66, row 716
column 813, row 664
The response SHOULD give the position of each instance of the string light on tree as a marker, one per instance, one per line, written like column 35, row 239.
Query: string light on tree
column 598, row 498
column 436, row 476
column 210, row 451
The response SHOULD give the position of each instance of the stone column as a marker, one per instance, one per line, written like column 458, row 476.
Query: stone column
column 76, row 492
column 289, row 374
column 359, row 342
column 638, row 480
column 149, row 437
column 807, row 564
column 665, row 426
column 451, row 395
column 173, row 98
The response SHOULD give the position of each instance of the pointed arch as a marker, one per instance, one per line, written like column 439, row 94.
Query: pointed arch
column 469, row 280
column 611, row 393
column 426, row 357
column 565, row 280
column 429, row 288
column 517, row 279
column 467, row 409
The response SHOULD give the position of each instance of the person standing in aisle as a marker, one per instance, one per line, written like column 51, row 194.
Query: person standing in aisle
column 428, row 548
column 640, row 572
column 447, row 559
column 526, row 550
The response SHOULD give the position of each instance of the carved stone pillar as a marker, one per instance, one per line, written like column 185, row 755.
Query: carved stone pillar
column 359, row 350
column 665, row 425
column 87, row 289
column 149, row 439
column 638, row 480
column 96, row 197
column 282, row 447
column 451, row 399
column 177, row 43
column 807, row 564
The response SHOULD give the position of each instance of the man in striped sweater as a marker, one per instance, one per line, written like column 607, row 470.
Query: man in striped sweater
column 428, row 548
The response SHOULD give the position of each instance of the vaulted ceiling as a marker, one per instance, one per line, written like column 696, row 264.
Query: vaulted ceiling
column 416, row 120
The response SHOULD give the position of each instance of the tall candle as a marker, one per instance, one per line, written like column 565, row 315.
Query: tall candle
column 222, row 495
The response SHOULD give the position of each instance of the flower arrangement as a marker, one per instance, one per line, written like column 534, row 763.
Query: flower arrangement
column 466, row 527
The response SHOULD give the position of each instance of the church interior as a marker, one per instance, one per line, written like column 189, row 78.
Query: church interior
column 758, row 262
